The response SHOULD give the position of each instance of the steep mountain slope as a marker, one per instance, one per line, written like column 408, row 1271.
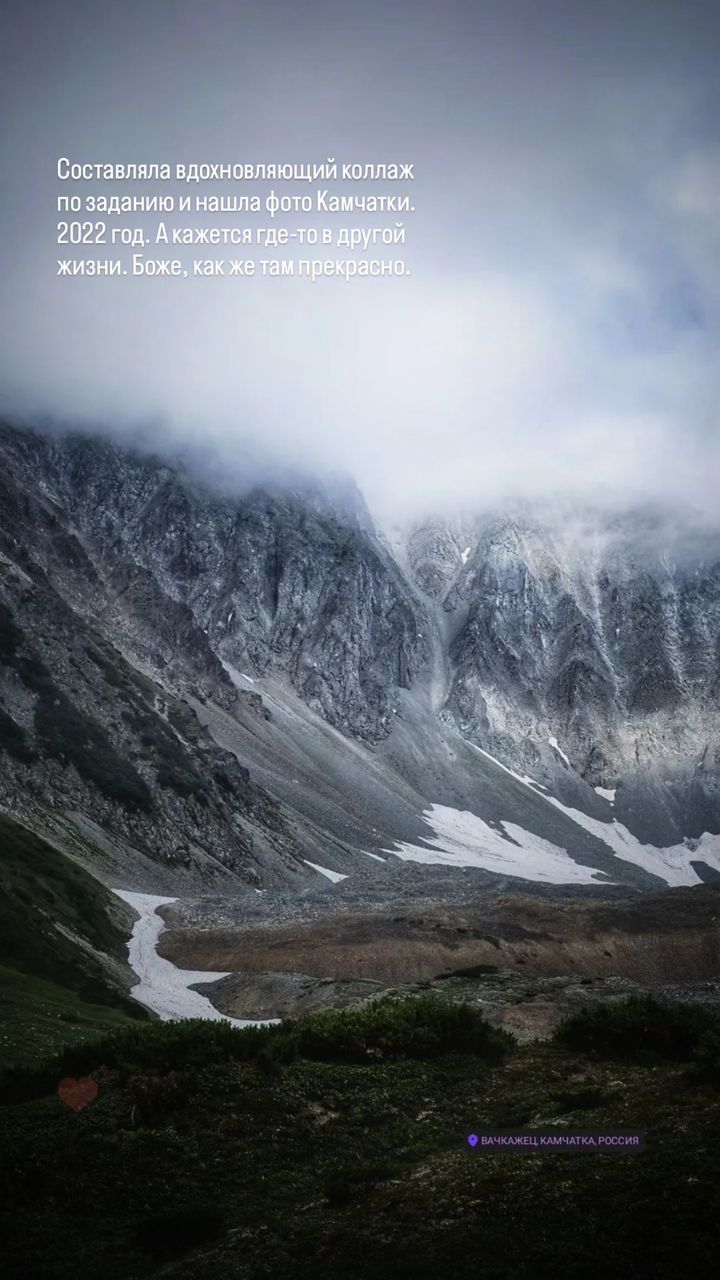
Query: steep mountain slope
column 126, row 589
column 592, row 643
column 63, row 954
column 269, row 581
column 208, row 691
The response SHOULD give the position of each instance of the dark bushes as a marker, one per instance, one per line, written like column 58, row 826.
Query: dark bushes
column 49, row 909
column 155, row 1096
column 74, row 738
column 416, row 1027
column 65, row 732
column 639, row 1025
column 152, row 1047
column 167, row 755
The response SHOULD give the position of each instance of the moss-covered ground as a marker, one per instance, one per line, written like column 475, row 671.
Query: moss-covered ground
column 38, row 1017
column 202, row 1158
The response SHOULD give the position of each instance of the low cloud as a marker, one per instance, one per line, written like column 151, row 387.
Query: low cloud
column 559, row 330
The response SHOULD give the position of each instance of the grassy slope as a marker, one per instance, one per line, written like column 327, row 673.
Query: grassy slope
column 326, row 1169
column 37, row 1018
column 46, row 977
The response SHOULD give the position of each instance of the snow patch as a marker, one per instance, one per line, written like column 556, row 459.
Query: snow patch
column 163, row 987
column 671, row 863
column 325, row 871
column 465, row 555
column 556, row 747
column 464, row 840
column 608, row 793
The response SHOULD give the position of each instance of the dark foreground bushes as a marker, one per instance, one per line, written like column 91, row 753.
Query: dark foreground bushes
column 417, row 1027
column 642, row 1025
column 150, row 1047
column 414, row 1027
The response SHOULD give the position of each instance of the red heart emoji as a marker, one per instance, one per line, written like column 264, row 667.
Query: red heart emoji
column 77, row 1093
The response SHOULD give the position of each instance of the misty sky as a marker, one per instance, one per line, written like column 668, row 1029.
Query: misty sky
column 559, row 330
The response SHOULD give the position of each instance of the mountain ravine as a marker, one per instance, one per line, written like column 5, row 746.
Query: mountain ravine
column 205, row 692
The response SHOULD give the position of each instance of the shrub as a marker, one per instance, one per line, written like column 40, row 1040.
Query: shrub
column 156, row 1095
column 151, row 1047
column 50, row 909
column 414, row 1027
column 110, row 669
column 351, row 1181
column 338, row 1191
column 74, row 738
column 166, row 753
column 276, row 1053
column 582, row 1099
column 166, row 1046
column 638, row 1025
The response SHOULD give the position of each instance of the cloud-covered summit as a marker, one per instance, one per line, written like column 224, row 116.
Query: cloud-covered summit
column 560, row 326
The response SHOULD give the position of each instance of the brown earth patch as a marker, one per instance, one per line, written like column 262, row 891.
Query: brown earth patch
column 671, row 936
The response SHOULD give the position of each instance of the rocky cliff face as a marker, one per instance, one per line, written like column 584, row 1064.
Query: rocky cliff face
column 602, row 639
column 604, row 632
column 270, row 581
column 235, row 688
column 126, row 589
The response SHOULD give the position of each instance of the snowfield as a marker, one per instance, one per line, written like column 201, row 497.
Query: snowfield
column 462, row 839
column 163, row 987
column 671, row 863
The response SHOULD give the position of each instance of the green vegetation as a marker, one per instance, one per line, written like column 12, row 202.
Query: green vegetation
column 67, row 733
column 72, row 737
column 167, row 754
column 420, row 1027
column 38, row 1017
column 194, row 1162
column 113, row 667
column 52, row 914
column 640, row 1025
column 64, row 731
column 163, row 749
